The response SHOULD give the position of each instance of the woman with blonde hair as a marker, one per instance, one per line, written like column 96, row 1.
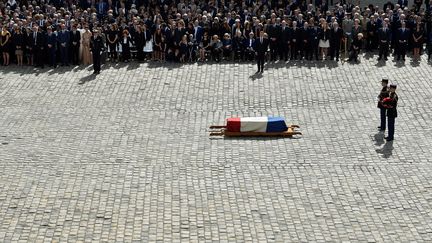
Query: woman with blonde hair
column 417, row 38
column 86, row 39
column 18, row 40
column 5, row 44
column 324, row 40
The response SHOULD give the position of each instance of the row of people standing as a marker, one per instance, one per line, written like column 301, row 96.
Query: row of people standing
column 319, row 40
column 40, row 47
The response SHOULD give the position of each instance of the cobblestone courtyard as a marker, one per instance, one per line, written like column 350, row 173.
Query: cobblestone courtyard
column 126, row 156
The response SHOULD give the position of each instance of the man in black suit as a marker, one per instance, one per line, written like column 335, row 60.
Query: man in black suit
column 307, row 41
column 63, row 38
column 402, row 39
column 249, row 44
column 314, row 33
column 51, row 38
column 97, row 46
column 39, row 43
column 274, row 32
column 336, row 37
column 384, row 38
column 295, row 40
column 261, row 46
column 75, row 39
column 284, row 42
column 403, row 3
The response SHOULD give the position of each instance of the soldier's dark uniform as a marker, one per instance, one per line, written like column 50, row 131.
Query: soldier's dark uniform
column 391, row 112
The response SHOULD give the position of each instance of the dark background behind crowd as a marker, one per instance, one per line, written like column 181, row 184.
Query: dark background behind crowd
column 63, row 32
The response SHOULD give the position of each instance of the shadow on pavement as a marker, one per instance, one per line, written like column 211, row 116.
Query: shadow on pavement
column 379, row 138
column 256, row 76
column 87, row 78
column 386, row 150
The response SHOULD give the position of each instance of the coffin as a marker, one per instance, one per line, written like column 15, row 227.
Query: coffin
column 256, row 124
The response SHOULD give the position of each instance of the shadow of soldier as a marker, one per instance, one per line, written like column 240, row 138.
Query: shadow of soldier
column 87, row 78
column 379, row 138
column 386, row 150
column 255, row 76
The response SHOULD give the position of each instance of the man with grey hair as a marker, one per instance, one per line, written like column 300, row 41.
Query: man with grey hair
column 384, row 38
column 336, row 38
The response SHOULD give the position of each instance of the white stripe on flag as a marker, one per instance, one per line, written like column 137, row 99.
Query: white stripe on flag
column 253, row 124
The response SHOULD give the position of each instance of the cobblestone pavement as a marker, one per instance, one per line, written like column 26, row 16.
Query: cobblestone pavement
column 126, row 156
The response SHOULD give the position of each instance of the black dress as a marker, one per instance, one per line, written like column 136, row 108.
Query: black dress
column 5, row 44
column 159, row 45
column 419, row 43
column 125, row 44
column 18, row 41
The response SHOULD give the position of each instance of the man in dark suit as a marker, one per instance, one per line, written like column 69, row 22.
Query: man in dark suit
column 371, row 29
column 336, row 37
column 63, row 39
column 314, row 33
column 403, row 3
column 384, row 38
column 307, row 42
column 101, row 8
column 284, row 41
column 261, row 46
column 52, row 46
column 274, row 32
column 249, row 45
column 295, row 34
column 402, row 38
column 237, row 46
column 391, row 111
column 97, row 46
column 382, row 95
column 39, row 43
column 198, row 32
column 75, row 39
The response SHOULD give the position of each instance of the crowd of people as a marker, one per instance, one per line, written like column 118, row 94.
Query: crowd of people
column 64, row 32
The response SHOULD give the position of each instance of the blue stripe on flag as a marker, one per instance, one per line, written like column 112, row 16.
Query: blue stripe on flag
column 276, row 124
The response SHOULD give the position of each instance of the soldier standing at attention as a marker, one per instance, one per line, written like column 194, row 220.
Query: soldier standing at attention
column 382, row 95
column 391, row 104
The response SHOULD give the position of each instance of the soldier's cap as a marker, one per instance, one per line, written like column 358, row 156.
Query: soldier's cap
column 393, row 86
column 384, row 80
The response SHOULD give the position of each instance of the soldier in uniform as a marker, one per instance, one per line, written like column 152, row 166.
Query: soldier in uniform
column 97, row 46
column 391, row 104
column 382, row 95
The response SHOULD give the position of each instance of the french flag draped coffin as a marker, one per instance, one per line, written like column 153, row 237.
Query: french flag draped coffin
column 256, row 124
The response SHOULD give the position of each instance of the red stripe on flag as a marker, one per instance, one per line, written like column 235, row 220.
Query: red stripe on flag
column 233, row 124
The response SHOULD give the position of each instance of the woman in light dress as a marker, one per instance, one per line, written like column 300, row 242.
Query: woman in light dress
column 86, row 38
column 324, row 40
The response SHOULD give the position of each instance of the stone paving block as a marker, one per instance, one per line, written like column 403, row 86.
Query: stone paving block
column 126, row 157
